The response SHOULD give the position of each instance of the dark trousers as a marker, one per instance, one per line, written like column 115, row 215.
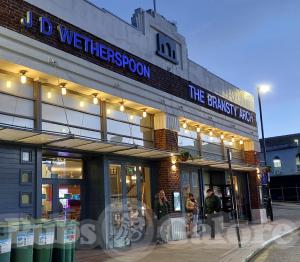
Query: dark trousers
column 210, row 221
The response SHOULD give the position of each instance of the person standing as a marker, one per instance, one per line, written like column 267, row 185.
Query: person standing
column 162, row 207
column 191, row 209
column 212, row 206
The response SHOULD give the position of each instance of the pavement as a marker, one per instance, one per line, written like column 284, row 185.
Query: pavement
column 255, row 237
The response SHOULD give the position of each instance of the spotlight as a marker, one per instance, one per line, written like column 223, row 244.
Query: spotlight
column 144, row 113
column 95, row 99
column 122, row 107
column 63, row 88
column 23, row 77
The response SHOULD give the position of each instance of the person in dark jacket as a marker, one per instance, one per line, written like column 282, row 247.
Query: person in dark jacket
column 212, row 206
column 161, row 209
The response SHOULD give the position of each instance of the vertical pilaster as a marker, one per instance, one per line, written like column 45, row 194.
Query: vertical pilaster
column 37, row 94
column 103, row 123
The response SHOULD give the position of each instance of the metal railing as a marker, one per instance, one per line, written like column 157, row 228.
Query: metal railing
column 284, row 193
column 214, row 151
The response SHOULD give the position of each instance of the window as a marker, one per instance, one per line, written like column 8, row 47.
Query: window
column 188, row 140
column 129, row 126
column 277, row 162
column 25, row 199
column 298, row 162
column 25, row 177
column 72, row 112
column 61, row 168
column 277, row 165
column 26, row 156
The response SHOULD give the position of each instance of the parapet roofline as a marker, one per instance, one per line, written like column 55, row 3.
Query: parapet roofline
column 222, row 79
column 111, row 13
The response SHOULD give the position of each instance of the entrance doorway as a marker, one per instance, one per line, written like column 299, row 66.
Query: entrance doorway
column 130, row 203
column 191, row 183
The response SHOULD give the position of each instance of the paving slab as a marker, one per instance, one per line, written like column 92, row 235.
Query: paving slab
column 223, row 248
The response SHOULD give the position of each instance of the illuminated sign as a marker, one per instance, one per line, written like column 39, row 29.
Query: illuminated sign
column 220, row 105
column 88, row 45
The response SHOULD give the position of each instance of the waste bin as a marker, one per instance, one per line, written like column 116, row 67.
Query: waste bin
column 43, row 240
column 5, row 241
column 22, row 241
column 65, row 239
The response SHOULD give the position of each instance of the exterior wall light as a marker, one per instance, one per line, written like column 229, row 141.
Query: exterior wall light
column 122, row 107
column 173, row 168
column 23, row 77
column 184, row 125
column 144, row 113
column 232, row 139
column 95, row 99
column 81, row 104
column 63, row 88
column 210, row 133
column 49, row 95
column 108, row 111
column 131, row 117
column 222, row 136
column 241, row 142
column 198, row 129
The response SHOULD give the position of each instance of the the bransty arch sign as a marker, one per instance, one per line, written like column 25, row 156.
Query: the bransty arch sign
column 221, row 105
column 88, row 45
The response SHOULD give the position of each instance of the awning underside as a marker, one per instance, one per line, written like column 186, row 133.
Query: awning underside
column 73, row 142
column 236, row 164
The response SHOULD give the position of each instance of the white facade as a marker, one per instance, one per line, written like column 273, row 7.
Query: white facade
column 140, row 41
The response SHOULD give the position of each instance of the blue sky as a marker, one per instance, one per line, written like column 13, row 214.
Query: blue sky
column 246, row 42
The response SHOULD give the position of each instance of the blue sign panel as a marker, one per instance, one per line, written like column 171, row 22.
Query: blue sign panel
column 82, row 42
column 220, row 105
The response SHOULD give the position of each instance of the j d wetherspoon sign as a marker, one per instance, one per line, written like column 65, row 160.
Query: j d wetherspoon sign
column 82, row 42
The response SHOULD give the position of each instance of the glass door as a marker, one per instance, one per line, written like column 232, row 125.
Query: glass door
column 130, row 199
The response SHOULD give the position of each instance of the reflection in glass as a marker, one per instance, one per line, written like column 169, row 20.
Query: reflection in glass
column 58, row 167
column 70, row 201
column 46, row 200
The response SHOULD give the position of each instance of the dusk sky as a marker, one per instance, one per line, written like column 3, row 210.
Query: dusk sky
column 246, row 42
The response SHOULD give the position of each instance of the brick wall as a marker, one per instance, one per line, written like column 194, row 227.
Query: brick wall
column 252, row 158
column 168, row 180
column 166, row 139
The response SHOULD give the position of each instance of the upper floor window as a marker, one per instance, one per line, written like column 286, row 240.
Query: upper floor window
column 277, row 165
column 298, row 162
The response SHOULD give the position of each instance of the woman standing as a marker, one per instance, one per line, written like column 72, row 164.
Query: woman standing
column 162, row 207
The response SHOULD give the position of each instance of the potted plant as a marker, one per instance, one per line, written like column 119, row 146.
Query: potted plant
column 185, row 156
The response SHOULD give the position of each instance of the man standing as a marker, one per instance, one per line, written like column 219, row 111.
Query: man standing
column 212, row 206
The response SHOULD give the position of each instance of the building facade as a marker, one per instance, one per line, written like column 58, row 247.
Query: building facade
column 98, row 115
column 283, row 156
